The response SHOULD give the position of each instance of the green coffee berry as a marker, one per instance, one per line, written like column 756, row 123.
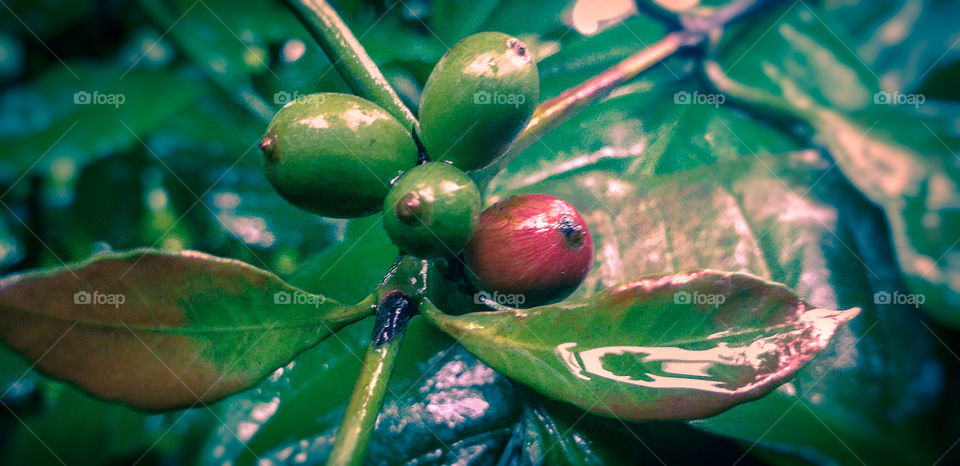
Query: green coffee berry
column 477, row 100
column 335, row 154
column 432, row 210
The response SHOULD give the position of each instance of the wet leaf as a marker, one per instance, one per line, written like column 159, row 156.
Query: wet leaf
column 899, row 158
column 664, row 347
column 161, row 330
column 791, row 219
column 642, row 131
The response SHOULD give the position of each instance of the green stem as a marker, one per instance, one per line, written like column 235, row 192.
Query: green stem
column 365, row 403
column 350, row 59
column 356, row 312
column 358, row 421
column 239, row 87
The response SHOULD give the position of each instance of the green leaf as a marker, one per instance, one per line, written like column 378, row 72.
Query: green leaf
column 652, row 348
column 234, row 41
column 116, row 107
column 452, row 20
column 351, row 268
column 901, row 160
column 641, row 131
column 191, row 327
column 581, row 57
column 902, row 41
column 643, row 127
column 793, row 220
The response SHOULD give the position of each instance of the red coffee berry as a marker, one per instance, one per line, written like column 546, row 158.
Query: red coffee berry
column 533, row 246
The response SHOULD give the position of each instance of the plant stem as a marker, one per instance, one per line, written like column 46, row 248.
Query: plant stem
column 555, row 111
column 358, row 421
column 551, row 113
column 238, row 86
column 350, row 59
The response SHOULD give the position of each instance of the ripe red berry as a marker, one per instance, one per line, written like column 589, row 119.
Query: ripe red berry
column 534, row 246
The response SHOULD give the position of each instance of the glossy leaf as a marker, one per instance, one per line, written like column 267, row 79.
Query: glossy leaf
column 664, row 347
column 161, row 330
column 897, row 157
column 791, row 219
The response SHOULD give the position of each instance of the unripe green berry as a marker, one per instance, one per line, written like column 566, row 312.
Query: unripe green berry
column 335, row 154
column 477, row 100
column 431, row 210
column 533, row 246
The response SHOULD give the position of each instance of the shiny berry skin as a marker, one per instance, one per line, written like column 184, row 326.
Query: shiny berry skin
column 335, row 154
column 533, row 245
column 477, row 100
column 432, row 210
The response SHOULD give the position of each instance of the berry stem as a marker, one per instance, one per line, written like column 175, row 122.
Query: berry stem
column 350, row 59
column 399, row 297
